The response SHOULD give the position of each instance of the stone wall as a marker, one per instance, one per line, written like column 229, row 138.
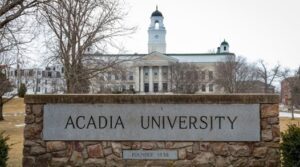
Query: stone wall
column 38, row 152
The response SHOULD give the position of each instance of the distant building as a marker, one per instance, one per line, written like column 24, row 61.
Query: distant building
column 287, row 90
column 152, row 72
column 39, row 81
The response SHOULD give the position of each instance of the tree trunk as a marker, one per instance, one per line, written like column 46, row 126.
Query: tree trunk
column 1, row 109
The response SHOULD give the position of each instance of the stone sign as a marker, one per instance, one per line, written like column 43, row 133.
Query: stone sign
column 152, row 122
column 150, row 154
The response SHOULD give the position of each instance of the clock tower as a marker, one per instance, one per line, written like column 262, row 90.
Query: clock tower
column 157, row 33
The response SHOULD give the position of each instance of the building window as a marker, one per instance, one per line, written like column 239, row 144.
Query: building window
column 131, row 76
column 22, row 72
column 203, row 88
column 38, row 81
column 155, row 87
column 203, row 75
column 123, row 88
column 211, row 87
column 123, row 76
column 45, row 90
column 49, row 74
column 116, row 77
column 165, row 87
column 165, row 71
column 131, row 87
column 62, row 70
column 146, row 87
column 108, row 76
column 211, row 75
column 156, row 25
column 146, row 71
column 30, row 73
column 58, row 74
column 225, row 48
column 46, row 82
column 38, row 89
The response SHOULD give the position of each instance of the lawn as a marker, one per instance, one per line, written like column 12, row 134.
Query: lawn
column 13, row 125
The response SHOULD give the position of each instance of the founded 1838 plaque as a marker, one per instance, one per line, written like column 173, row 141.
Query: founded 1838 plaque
column 152, row 122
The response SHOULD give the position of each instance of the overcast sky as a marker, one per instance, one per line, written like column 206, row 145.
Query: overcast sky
column 256, row 29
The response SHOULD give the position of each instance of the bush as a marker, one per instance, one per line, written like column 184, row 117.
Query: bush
column 22, row 90
column 3, row 149
column 290, row 146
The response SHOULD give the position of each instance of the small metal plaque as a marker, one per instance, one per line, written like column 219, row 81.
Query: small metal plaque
column 150, row 154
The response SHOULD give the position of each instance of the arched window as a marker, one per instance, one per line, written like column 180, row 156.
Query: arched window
column 156, row 25
column 225, row 48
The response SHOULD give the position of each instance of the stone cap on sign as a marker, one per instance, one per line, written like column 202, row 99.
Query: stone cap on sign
column 154, row 98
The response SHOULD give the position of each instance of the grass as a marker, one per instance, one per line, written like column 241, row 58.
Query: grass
column 12, row 125
column 284, row 122
column 14, row 112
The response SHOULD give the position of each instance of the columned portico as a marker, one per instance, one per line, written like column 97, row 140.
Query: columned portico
column 154, row 73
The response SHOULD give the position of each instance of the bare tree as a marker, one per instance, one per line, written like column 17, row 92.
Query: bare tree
column 185, row 78
column 268, row 75
column 235, row 75
column 11, row 22
column 5, row 87
column 78, row 25
column 11, row 39
column 11, row 10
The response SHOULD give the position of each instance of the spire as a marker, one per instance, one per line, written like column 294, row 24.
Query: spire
column 156, row 7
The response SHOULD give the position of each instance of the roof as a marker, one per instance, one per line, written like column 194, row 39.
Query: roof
column 156, row 13
column 224, row 43
column 168, row 54
column 182, row 57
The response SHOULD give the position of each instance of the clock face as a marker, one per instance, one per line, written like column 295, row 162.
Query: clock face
column 156, row 36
